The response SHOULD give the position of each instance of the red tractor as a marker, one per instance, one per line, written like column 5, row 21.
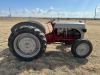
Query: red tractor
column 28, row 40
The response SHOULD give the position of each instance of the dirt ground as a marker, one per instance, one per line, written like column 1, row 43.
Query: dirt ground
column 57, row 60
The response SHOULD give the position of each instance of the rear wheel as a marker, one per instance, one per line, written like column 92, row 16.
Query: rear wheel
column 27, row 43
column 81, row 48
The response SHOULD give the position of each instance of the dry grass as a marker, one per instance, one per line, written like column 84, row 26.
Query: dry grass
column 57, row 60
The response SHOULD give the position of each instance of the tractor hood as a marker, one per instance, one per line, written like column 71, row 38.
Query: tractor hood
column 69, row 25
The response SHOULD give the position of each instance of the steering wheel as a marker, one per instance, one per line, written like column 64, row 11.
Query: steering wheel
column 50, row 21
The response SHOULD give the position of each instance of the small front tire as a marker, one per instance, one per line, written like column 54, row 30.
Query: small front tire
column 81, row 48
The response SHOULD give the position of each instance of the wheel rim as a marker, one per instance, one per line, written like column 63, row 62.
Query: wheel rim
column 26, row 45
column 82, row 49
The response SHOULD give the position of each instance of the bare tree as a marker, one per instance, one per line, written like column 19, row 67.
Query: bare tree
column 95, row 13
column 9, row 13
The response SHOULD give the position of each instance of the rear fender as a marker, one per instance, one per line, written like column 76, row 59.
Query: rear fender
column 29, row 23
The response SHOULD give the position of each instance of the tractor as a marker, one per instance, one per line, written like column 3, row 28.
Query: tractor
column 28, row 39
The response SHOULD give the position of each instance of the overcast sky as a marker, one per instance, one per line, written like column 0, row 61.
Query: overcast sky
column 50, row 8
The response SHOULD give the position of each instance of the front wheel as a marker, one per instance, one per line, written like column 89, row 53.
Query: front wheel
column 27, row 43
column 81, row 48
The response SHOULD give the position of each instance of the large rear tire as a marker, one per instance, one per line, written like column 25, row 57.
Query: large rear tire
column 27, row 43
column 81, row 48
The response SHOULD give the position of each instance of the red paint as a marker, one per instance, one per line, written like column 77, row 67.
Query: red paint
column 53, row 37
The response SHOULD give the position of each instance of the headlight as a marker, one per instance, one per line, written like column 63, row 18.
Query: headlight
column 84, row 30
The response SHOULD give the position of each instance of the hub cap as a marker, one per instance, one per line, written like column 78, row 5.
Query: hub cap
column 82, row 49
column 26, row 45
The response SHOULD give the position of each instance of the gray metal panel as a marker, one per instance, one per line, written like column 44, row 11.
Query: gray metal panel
column 82, row 33
column 69, row 25
column 37, row 22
